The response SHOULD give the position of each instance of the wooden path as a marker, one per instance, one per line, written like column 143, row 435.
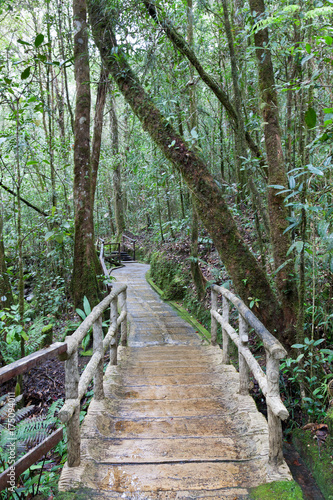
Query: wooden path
column 172, row 425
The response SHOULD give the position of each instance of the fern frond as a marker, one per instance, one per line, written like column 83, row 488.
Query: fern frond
column 320, row 11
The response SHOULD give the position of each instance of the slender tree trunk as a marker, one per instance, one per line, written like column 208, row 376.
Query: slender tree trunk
column 116, row 180
column 248, row 277
column 278, row 213
column 6, row 294
column 197, row 276
column 98, row 129
column 86, row 265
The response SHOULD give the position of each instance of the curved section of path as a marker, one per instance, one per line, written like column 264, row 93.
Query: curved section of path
column 172, row 425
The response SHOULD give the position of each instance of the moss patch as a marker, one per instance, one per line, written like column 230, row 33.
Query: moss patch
column 281, row 490
column 318, row 460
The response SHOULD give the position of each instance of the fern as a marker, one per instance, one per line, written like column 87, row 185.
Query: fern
column 275, row 18
column 29, row 432
column 320, row 11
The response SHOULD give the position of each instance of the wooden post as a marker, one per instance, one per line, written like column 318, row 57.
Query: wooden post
column 244, row 372
column 213, row 320
column 123, row 307
column 113, row 343
column 225, row 336
column 134, row 250
column 73, row 426
column 98, row 347
column 274, row 423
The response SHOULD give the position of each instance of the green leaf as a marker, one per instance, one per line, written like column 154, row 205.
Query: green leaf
column 298, row 245
column 276, row 186
column 81, row 313
column 48, row 235
column 39, row 40
column 59, row 237
column 310, row 118
column 308, row 48
column 315, row 170
column 26, row 73
column 328, row 40
column 298, row 346
column 22, row 42
column 86, row 306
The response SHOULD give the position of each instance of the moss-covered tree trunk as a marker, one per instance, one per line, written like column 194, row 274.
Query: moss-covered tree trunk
column 248, row 277
column 278, row 213
column 86, row 265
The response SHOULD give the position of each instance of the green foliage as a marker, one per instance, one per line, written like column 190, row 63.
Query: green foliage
column 27, row 433
column 11, row 330
column 310, row 371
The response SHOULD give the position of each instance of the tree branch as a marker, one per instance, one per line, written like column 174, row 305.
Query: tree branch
column 24, row 201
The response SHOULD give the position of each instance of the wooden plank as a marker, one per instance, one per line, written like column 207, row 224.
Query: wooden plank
column 28, row 362
column 29, row 459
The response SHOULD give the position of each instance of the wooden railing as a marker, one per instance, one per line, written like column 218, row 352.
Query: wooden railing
column 101, row 244
column 269, row 381
column 128, row 243
column 76, row 386
column 9, row 477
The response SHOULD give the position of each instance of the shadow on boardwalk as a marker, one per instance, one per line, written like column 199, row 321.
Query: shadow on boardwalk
column 172, row 425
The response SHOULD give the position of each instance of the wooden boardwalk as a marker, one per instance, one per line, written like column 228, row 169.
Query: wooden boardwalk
column 172, row 425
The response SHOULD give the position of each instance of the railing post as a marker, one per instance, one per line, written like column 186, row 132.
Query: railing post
column 98, row 347
column 213, row 320
column 119, row 254
column 123, row 307
column 113, row 343
column 134, row 250
column 225, row 336
column 244, row 372
column 274, row 423
column 73, row 425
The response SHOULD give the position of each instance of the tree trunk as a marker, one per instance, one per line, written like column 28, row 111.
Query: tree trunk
column 6, row 295
column 116, row 180
column 197, row 276
column 186, row 50
column 248, row 277
column 278, row 213
column 86, row 265
column 98, row 129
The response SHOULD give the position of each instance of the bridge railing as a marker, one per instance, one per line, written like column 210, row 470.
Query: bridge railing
column 76, row 386
column 101, row 245
column 9, row 477
column 128, row 243
column 269, row 381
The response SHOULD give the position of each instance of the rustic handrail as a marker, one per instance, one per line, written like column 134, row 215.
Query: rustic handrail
column 9, row 477
column 128, row 245
column 22, row 365
column 76, row 386
column 269, row 381
column 101, row 243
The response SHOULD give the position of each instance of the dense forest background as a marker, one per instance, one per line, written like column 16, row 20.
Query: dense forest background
column 203, row 126
column 202, row 129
